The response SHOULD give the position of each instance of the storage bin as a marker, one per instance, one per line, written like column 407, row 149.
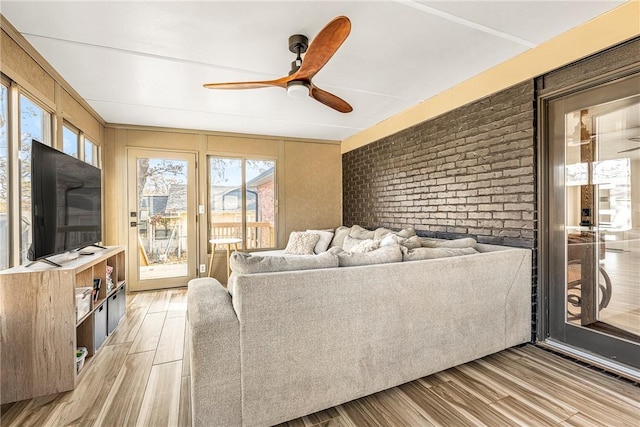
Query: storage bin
column 99, row 326
column 115, row 308
column 81, row 354
column 83, row 301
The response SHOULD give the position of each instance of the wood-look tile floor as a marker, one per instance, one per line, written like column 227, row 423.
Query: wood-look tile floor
column 141, row 377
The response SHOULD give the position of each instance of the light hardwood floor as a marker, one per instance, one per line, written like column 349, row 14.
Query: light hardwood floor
column 141, row 377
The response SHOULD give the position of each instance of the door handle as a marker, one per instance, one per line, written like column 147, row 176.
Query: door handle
column 133, row 224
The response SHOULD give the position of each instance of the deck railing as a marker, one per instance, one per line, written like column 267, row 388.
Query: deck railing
column 259, row 234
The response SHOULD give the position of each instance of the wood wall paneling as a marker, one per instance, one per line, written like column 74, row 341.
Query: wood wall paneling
column 313, row 192
column 77, row 115
column 21, row 68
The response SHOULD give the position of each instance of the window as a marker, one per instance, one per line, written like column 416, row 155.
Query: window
column 70, row 138
column 35, row 123
column 31, row 121
column 242, row 201
column 90, row 152
column 4, row 177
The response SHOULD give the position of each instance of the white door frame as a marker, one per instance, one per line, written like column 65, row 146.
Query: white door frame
column 135, row 282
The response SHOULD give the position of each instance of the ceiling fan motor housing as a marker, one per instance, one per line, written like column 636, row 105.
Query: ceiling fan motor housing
column 298, row 43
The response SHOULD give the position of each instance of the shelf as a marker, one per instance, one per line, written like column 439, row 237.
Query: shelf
column 43, row 307
column 99, row 301
column 83, row 318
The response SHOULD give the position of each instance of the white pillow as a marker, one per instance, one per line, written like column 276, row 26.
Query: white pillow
column 339, row 236
column 358, row 232
column 412, row 242
column 351, row 242
column 366, row 246
column 325, row 240
column 381, row 232
column 391, row 239
column 407, row 232
column 301, row 243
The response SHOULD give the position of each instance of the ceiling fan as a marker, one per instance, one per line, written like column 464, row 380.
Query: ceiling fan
column 298, row 83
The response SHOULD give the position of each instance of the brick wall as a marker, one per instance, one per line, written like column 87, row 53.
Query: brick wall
column 470, row 171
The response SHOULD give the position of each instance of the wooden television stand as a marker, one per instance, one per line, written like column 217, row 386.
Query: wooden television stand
column 40, row 331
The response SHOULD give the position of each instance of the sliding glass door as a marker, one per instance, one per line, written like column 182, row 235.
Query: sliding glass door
column 593, row 207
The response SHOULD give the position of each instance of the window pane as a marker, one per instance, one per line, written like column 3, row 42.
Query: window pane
column 4, row 178
column 69, row 141
column 601, row 225
column 35, row 123
column 260, row 203
column 225, row 198
column 90, row 152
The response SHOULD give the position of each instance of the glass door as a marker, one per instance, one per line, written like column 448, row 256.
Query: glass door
column 161, row 219
column 594, row 220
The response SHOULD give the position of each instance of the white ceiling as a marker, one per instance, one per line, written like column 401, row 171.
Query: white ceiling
column 144, row 63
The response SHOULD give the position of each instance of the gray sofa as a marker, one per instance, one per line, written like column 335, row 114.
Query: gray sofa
column 291, row 343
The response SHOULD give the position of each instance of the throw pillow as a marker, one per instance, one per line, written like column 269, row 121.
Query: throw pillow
column 412, row 242
column 358, row 232
column 380, row 233
column 339, row 235
column 350, row 243
column 466, row 242
column 301, row 243
column 324, row 241
column 366, row 246
column 433, row 253
column 407, row 232
column 244, row 263
column 385, row 254
column 391, row 239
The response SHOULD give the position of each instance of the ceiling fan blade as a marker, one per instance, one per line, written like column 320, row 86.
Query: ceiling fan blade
column 281, row 82
column 322, row 48
column 329, row 99
column 630, row 149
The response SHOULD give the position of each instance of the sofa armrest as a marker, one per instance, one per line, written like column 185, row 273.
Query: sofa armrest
column 214, row 347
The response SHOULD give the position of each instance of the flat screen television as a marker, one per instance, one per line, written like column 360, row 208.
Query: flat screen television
column 66, row 203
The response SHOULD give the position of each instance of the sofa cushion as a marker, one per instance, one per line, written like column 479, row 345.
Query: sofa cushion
column 432, row 253
column 339, row 235
column 245, row 263
column 385, row 254
column 301, row 243
column 466, row 242
column 358, row 232
column 324, row 241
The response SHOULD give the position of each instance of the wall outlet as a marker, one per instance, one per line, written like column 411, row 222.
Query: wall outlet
column 203, row 268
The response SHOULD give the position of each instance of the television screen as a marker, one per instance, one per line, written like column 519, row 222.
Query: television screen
column 66, row 196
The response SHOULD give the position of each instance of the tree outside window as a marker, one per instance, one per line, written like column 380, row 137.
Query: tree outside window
column 35, row 123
